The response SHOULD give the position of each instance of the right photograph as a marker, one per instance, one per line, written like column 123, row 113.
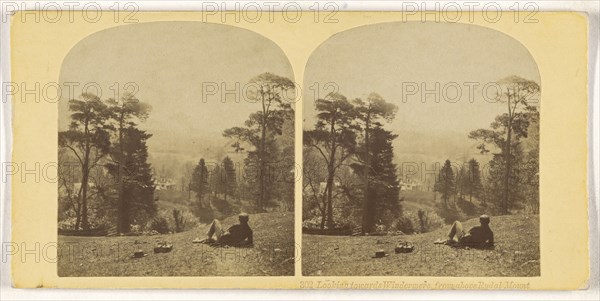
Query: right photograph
column 421, row 153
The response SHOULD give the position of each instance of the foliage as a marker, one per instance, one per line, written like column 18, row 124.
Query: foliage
column 404, row 224
column 261, row 130
column 428, row 221
column 529, row 167
column 160, row 225
column 181, row 221
column 135, row 203
column 88, row 139
column 103, row 136
column 383, row 187
column 125, row 114
column 421, row 221
column 470, row 180
column 506, row 134
column 334, row 139
column 199, row 182
column 368, row 116
column 178, row 220
column 228, row 178
column 445, row 183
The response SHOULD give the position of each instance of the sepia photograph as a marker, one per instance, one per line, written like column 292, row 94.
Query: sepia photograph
column 176, row 154
column 224, row 150
column 421, row 153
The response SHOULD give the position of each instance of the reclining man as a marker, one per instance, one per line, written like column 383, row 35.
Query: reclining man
column 238, row 235
column 478, row 237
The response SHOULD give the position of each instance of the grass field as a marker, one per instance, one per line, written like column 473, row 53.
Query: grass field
column 516, row 253
column 272, row 254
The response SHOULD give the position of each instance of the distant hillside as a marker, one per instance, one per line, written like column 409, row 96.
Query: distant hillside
column 172, row 199
column 415, row 200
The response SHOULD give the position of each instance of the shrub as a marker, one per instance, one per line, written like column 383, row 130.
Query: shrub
column 348, row 219
column 404, row 224
column 67, row 223
column 188, row 220
column 181, row 221
column 312, row 223
column 387, row 218
column 135, row 229
column 429, row 221
column 160, row 225
column 421, row 221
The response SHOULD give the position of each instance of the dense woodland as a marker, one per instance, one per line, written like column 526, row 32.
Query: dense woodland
column 350, row 181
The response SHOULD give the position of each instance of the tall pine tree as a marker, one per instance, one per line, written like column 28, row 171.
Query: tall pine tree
column 368, row 114
column 261, row 129
column 125, row 113
column 473, row 180
column 508, row 129
column 228, row 177
column 200, row 186
column 136, row 202
column 88, row 139
column 334, row 139
column 384, row 187
column 445, row 183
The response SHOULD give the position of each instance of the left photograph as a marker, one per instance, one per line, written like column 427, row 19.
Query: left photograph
column 176, row 153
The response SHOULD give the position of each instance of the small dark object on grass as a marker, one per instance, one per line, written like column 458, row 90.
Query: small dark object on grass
column 404, row 247
column 139, row 254
column 380, row 254
column 163, row 248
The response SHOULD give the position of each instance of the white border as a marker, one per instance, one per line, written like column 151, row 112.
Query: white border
column 592, row 7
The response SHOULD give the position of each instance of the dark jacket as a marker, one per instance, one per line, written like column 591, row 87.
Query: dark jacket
column 479, row 236
column 236, row 235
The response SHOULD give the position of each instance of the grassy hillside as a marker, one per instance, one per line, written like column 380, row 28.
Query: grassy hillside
column 272, row 254
column 172, row 199
column 415, row 200
column 516, row 253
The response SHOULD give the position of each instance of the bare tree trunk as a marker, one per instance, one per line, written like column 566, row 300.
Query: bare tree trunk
column 323, row 218
column 471, row 193
column 263, row 143
column 77, row 218
column 262, row 168
column 367, row 214
column 507, row 158
column 330, row 177
column 84, row 181
column 121, row 227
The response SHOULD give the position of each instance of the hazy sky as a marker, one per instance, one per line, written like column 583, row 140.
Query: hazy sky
column 169, row 62
column 380, row 58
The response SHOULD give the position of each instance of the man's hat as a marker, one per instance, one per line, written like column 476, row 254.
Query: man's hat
column 244, row 216
column 484, row 219
column 380, row 254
